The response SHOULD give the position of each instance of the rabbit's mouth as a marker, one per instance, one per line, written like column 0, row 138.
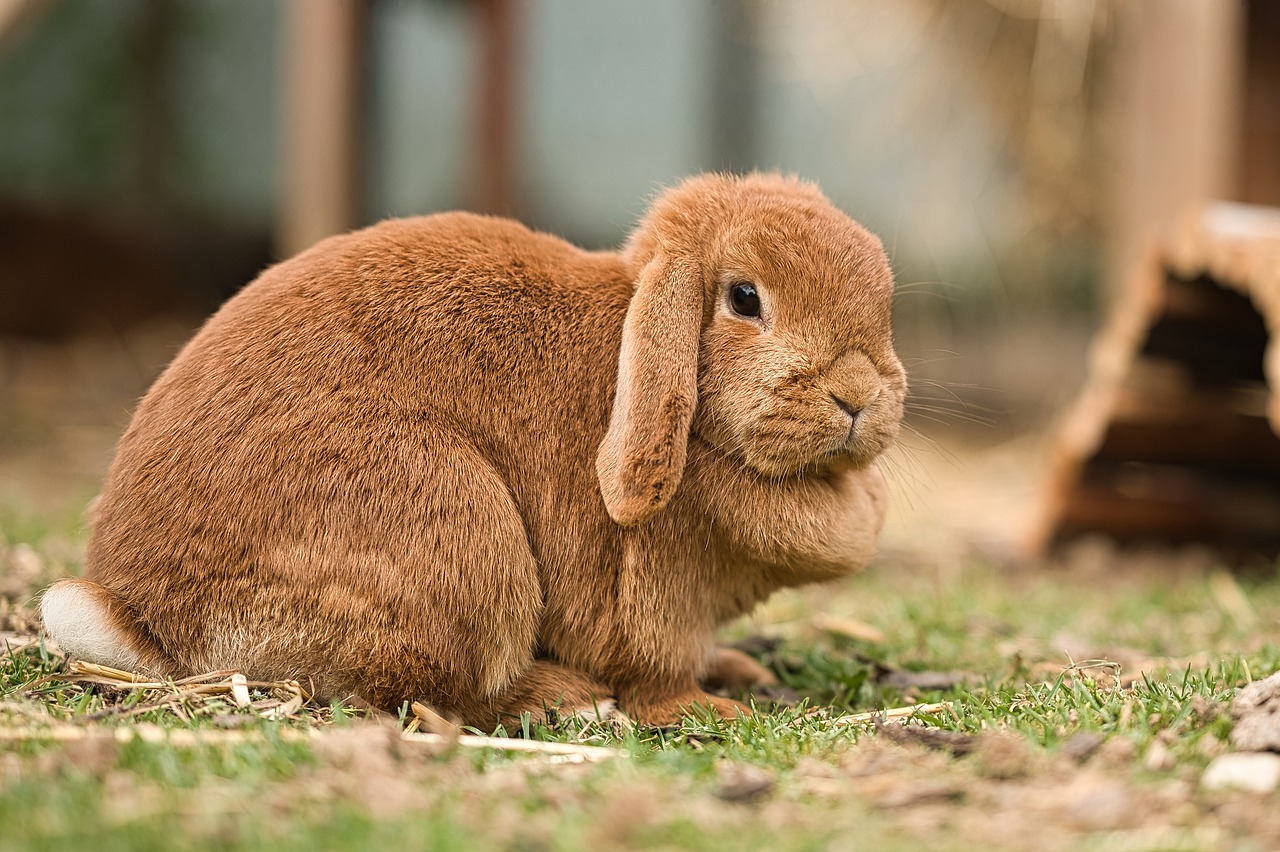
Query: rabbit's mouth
column 851, row 438
column 803, row 430
column 852, row 450
column 854, row 455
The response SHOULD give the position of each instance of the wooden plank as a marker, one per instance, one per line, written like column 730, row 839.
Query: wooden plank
column 1245, row 444
column 1206, row 302
column 1100, row 509
column 1173, row 505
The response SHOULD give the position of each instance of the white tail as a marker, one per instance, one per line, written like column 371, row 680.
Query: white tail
column 77, row 614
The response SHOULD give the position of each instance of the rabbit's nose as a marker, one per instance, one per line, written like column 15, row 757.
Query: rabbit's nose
column 848, row 408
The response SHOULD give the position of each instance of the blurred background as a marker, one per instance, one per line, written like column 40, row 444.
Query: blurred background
column 1016, row 157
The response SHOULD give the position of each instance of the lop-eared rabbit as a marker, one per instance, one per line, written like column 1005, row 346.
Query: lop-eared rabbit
column 449, row 459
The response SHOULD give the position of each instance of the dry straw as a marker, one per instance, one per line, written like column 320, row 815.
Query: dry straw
column 203, row 694
column 189, row 696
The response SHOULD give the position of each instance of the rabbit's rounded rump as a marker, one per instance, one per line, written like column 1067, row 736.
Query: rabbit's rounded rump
column 451, row 460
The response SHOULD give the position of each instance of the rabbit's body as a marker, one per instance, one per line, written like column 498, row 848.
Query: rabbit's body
column 375, row 470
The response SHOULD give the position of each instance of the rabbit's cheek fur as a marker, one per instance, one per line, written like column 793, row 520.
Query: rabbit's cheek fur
column 781, row 412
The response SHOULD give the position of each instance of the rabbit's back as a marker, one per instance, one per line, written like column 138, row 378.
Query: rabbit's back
column 297, row 455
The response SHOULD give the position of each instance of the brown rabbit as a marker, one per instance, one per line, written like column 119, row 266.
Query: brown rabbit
column 453, row 460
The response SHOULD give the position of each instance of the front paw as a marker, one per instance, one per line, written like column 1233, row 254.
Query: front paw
column 857, row 516
column 865, row 497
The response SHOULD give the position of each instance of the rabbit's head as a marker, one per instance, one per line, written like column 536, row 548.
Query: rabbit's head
column 760, row 321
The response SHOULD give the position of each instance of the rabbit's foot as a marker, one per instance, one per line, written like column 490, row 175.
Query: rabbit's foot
column 551, row 693
column 604, row 711
column 734, row 671
column 669, row 712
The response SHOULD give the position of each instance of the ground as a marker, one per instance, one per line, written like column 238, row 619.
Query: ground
column 1072, row 704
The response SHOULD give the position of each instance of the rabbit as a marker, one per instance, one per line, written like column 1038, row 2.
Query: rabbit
column 453, row 460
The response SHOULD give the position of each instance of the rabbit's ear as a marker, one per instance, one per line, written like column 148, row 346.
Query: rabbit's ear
column 641, row 458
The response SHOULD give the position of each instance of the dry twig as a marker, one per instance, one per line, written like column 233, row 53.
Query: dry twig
column 873, row 716
column 571, row 752
column 181, row 738
column 284, row 699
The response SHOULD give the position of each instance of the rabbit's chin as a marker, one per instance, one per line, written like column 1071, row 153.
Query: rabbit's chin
column 855, row 457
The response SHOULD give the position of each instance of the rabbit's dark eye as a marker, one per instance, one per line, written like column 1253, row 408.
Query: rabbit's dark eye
column 744, row 299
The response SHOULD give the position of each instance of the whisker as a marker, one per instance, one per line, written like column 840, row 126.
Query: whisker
column 946, row 403
column 903, row 469
column 949, row 406
column 932, row 445
column 931, row 419
column 949, row 388
column 906, row 485
column 920, row 282
column 928, row 286
column 950, row 423
column 941, row 413
column 942, row 297
column 939, row 356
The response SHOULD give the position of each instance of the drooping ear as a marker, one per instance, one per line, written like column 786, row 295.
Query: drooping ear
column 641, row 458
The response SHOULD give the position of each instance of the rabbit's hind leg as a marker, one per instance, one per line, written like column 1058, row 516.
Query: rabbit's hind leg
column 667, row 707
column 449, row 607
column 736, row 671
column 549, row 692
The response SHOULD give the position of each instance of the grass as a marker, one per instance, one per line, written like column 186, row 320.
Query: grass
column 1071, row 689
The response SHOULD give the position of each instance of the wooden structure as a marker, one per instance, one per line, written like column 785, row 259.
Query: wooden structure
column 323, row 81
column 324, row 84
column 1177, row 81
column 1174, row 437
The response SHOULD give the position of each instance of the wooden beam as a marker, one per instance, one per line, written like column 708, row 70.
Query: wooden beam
column 16, row 16
column 493, row 171
column 322, row 83
column 1260, row 137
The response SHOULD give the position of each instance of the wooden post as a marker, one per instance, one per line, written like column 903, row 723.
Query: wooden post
column 1260, row 140
column 1177, row 119
column 493, row 183
column 322, row 77
column 16, row 16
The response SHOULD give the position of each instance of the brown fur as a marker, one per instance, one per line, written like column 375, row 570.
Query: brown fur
column 402, row 465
